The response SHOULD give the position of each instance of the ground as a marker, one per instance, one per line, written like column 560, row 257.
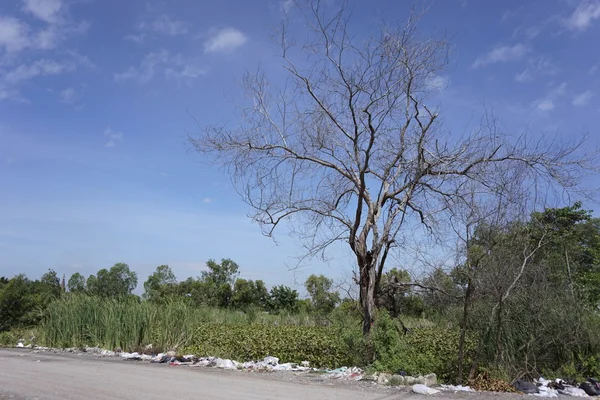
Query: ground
column 27, row 374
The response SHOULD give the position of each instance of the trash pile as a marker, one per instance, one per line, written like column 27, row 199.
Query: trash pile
column 547, row 388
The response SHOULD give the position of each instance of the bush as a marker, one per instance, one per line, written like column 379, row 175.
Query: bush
column 422, row 351
column 319, row 345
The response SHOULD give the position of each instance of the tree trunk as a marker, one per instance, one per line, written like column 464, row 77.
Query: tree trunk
column 463, row 331
column 367, row 296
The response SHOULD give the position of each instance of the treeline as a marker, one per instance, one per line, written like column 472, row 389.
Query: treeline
column 524, row 298
column 23, row 301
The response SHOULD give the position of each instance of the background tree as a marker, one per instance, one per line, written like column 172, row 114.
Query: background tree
column 161, row 284
column 248, row 294
column 323, row 298
column 116, row 282
column 349, row 151
column 76, row 283
column 283, row 298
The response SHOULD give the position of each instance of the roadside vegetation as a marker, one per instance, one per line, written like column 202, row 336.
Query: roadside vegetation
column 523, row 302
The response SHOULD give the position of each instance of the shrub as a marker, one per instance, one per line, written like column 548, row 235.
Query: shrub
column 423, row 350
column 319, row 345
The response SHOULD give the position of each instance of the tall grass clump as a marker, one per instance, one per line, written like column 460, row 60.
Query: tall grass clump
column 128, row 323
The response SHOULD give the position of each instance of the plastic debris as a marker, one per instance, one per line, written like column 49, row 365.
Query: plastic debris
column 525, row 387
column 573, row 391
column 457, row 388
column 224, row 363
column 422, row 389
column 271, row 360
column 545, row 391
column 20, row 345
column 353, row 373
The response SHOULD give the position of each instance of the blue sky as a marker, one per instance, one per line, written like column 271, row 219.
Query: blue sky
column 96, row 98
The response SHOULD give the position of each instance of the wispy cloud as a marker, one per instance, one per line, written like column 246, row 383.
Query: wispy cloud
column 286, row 5
column 43, row 67
column 548, row 102
column 582, row 99
column 112, row 137
column 14, row 34
column 224, row 40
column 501, row 54
column 147, row 67
column 68, row 95
column 537, row 66
column 46, row 10
column 584, row 15
column 593, row 69
column 207, row 200
column 174, row 67
column 139, row 38
column 168, row 26
column 437, row 82
column 162, row 25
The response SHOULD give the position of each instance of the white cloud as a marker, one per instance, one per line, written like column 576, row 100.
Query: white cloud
column 593, row 69
column 147, row 67
column 46, row 10
column 548, row 102
column 186, row 72
column 136, row 38
column 14, row 34
column 224, row 40
column 437, row 82
column 168, row 26
column 68, row 95
column 112, row 137
column 544, row 104
column 175, row 67
column 41, row 67
column 501, row 54
column 537, row 66
column 207, row 200
column 586, row 12
column 286, row 5
column 583, row 99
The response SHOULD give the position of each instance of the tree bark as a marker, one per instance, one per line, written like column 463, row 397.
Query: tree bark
column 463, row 331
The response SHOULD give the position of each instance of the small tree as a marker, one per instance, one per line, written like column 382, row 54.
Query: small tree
column 350, row 151
column 160, row 284
column 76, row 283
column 283, row 298
column 323, row 298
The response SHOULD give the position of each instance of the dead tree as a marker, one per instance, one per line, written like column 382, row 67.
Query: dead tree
column 346, row 149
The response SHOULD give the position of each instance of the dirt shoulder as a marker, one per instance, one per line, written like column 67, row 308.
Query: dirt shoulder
column 59, row 375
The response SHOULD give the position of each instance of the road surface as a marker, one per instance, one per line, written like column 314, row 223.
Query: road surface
column 27, row 375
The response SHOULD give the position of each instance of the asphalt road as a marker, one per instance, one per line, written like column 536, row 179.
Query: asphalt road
column 27, row 375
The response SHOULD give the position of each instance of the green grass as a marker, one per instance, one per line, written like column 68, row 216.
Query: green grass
column 79, row 320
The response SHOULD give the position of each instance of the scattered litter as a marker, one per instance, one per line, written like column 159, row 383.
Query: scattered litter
column 422, row 389
column 545, row 391
column 573, row 391
column 525, row 386
column 271, row 360
column 354, row 373
column 224, row 364
column 457, row 388
column 20, row 344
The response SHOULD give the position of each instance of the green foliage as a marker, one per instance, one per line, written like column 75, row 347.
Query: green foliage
column 319, row 345
column 248, row 294
column 76, row 283
column 126, row 322
column 161, row 284
column 22, row 300
column 422, row 351
column 118, row 281
column 323, row 299
column 283, row 299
